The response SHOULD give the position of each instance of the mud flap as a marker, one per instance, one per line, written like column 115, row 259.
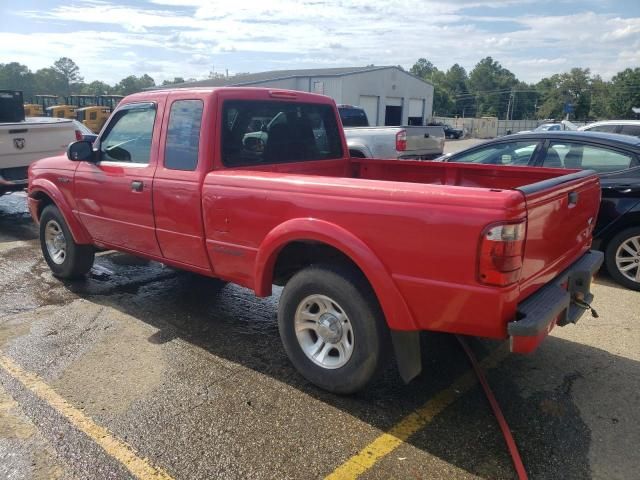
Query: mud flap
column 406, row 346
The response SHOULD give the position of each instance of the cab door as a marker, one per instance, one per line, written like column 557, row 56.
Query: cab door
column 114, row 193
column 177, row 186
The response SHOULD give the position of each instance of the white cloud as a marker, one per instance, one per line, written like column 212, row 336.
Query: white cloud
column 183, row 38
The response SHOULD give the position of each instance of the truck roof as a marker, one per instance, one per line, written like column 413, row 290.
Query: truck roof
column 247, row 92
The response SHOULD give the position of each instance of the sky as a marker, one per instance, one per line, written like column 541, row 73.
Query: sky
column 110, row 40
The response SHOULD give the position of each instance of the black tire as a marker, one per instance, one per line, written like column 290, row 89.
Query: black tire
column 77, row 259
column 348, row 288
column 610, row 258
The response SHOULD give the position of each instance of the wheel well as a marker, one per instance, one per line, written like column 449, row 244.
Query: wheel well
column 297, row 255
column 43, row 201
column 356, row 154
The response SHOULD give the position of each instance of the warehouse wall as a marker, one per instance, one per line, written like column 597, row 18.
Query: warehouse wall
column 392, row 87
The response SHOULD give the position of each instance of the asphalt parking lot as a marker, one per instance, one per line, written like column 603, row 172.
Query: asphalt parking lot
column 143, row 371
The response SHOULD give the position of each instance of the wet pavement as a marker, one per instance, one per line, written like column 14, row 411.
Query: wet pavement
column 190, row 374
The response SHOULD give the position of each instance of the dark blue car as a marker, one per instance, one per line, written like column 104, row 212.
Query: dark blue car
column 616, row 158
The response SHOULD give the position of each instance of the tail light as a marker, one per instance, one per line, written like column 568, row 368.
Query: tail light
column 401, row 141
column 79, row 136
column 501, row 253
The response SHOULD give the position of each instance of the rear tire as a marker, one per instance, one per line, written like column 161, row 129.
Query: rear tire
column 622, row 257
column 332, row 327
column 65, row 257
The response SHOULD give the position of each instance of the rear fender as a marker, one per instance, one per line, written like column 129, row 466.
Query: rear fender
column 391, row 301
column 41, row 186
column 358, row 147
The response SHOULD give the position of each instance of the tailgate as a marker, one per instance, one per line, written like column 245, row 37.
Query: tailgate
column 425, row 139
column 561, row 215
column 23, row 143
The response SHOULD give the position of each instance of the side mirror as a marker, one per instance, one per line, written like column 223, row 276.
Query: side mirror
column 80, row 151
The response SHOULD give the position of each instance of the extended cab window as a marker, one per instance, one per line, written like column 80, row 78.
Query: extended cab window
column 183, row 135
column 128, row 136
column 508, row 153
column 275, row 132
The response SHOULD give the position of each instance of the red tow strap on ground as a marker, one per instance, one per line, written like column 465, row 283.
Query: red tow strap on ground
column 506, row 432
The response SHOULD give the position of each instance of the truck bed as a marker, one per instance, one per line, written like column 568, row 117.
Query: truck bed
column 404, row 211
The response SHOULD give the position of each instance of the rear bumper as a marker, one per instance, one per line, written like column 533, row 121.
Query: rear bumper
column 553, row 304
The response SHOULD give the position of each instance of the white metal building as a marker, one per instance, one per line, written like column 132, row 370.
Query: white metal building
column 389, row 95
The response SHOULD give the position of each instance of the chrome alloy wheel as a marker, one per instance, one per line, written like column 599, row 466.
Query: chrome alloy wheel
column 55, row 242
column 324, row 331
column 628, row 258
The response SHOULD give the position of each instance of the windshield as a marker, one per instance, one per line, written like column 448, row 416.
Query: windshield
column 547, row 127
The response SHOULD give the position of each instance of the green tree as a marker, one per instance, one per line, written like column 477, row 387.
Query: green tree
column 69, row 71
column 15, row 76
column 625, row 93
column 456, row 83
column 600, row 99
column 570, row 88
column 423, row 68
column 49, row 81
column 492, row 85
column 96, row 88
column 175, row 81
column 133, row 84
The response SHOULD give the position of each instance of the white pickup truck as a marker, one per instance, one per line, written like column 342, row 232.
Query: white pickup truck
column 23, row 141
column 405, row 142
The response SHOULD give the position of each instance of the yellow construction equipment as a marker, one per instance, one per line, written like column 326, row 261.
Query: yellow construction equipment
column 72, row 103
column 39, row 105
column 94, row 117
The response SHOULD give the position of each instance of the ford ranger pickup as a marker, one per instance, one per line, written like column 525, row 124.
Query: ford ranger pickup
column 370, row 251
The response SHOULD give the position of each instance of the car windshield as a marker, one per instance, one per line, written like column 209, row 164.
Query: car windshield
column 547, row 127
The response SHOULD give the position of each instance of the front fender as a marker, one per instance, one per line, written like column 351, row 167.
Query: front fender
column 42, row 186
column 391, row 301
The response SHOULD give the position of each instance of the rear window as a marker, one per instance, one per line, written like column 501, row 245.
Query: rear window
column 577, row 155
column 353, row 117
column 633, row 130
column 266, row 132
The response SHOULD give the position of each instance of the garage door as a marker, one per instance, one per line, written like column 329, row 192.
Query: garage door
column 415, row 107
column 370, row 106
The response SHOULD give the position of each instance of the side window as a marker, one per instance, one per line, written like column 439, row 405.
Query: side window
column 603, row 128
column 509, row 153
column 277, row 132
column 183, row 135
column 93, row 115
column 576, row 155
column 633, row 130
column 128, row 136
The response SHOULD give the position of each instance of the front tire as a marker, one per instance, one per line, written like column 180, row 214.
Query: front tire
column 622, row 257
column 65, row 257
column 332, row 327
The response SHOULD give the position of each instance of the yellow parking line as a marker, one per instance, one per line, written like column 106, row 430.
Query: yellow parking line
column 419, row 418
column 140, row 467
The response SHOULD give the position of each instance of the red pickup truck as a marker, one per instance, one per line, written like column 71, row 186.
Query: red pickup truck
column 256, row 187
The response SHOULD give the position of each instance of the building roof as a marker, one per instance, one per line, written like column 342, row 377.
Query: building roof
column 251, row 78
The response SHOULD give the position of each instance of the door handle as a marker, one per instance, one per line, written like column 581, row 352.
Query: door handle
column 426, row 135
column 137, row 185
column 573, row 198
